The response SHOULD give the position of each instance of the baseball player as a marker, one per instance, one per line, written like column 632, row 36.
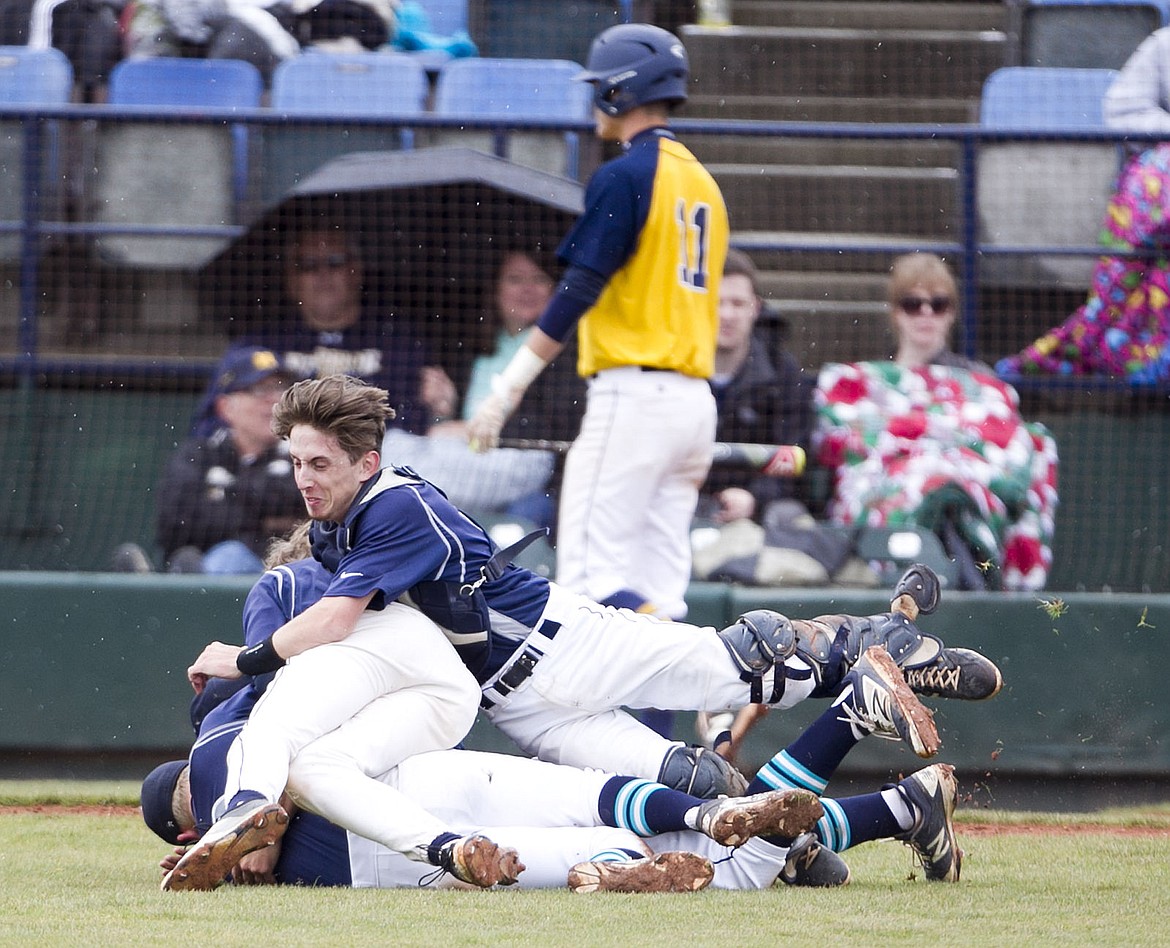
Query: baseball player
column 480, row 792
column 641, row 287
column 555, row 667
column 329, row 768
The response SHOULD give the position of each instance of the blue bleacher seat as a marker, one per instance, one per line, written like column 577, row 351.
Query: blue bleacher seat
column 391, row 85
column 1086, row 34
column 29, row 77
column 1044, row 194
column 1021, row 97
column 34, row 76
column 518, row 88
column 173, row 174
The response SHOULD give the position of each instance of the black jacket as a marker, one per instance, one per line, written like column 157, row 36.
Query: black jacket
column 766, row 402
column 208, row 494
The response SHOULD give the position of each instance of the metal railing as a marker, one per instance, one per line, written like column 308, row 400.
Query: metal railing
column 960, row 241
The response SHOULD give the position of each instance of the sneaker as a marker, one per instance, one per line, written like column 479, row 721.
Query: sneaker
column 957, row 673
column 665, row 872
column 732, row 821
column 883, row 704
column 247, row 827
column 931, row 794
column 810, row 863
column 478, row 861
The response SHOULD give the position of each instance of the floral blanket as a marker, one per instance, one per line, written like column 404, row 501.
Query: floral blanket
column 936, row 444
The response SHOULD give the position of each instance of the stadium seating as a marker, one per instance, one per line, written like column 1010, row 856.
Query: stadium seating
column 1086, row 34
column 171, row 174
column 29, row 77
column 516, row 89
column 1043, row 194
column 361, row 84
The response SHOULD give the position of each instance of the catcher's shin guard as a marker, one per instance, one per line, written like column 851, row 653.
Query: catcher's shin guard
column 832, row 645
column 759, row 642
column 701, row 773
column 917, row 593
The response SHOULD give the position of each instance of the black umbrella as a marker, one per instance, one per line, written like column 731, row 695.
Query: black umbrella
column 433, row 223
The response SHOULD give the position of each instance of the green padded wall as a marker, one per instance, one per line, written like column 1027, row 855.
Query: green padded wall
column 96, row 663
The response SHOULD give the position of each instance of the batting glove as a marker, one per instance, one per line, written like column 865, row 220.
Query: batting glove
column 483, row 431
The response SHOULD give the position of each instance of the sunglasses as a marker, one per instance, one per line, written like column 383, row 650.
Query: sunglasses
column 913, row 305
column 332, row 261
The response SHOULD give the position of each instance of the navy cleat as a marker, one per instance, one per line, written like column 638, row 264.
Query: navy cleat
column 931, row 794
column 883, row 704
column 241, row 830
column 957, row 673
column 811, row 864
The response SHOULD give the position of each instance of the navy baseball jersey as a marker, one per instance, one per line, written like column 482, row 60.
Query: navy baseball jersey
column 405, row 541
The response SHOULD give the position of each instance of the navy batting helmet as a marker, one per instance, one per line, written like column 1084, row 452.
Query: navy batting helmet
column 635, row 63
column 158, row 789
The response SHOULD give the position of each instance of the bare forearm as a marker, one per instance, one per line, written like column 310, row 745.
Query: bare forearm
column 328, row 620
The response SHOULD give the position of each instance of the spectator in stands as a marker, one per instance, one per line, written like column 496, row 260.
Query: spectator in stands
column 86, row 31
column 935, row 440
column 514, row 481
column 762, row 394
column 222, row 498
column 1123, row 327
column 262, row 32
column 327, row 328
column 345, row 26
column 256, row 31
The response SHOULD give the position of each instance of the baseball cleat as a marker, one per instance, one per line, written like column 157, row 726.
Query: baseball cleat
column 883, row 704
column 931, row 794
column 665, row 872
column 247, row 827
column 957, row 673
column 478, row 861
column 810, row 863
column 732, row 821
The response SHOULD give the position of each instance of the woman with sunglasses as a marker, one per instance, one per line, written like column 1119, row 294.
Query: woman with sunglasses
column 921, row 294
column 933, row 439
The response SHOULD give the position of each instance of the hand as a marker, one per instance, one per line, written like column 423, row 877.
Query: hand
column 217, row 660
column 171, row 859
column 438, row 393
column 257, row 867
column 483, row 431
column 735, row 503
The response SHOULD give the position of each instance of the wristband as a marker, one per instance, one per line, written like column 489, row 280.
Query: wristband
column 525, row 366
column 259, row 659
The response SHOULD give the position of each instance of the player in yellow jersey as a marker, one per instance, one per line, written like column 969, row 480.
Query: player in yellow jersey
column 641, row 285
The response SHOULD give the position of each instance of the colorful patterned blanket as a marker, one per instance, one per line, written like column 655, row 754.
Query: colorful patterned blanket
column 937, row 444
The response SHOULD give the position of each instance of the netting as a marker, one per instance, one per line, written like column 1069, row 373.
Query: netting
column 158, row 244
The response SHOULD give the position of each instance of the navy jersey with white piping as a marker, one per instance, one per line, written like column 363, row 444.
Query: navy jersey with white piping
column 402, row 539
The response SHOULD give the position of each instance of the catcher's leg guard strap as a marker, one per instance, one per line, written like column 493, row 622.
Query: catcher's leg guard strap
column 701, row 773
column 759, row 642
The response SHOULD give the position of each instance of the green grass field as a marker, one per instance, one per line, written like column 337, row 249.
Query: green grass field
column 71, row 878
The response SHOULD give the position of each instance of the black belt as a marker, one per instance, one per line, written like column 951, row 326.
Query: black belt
column 519, row 671
column 640, row 368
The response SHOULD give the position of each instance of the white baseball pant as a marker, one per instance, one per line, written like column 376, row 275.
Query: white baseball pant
column 631, row 484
